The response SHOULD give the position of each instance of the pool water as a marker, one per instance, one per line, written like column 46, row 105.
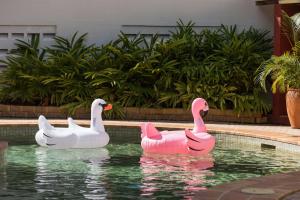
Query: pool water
column 122, row 171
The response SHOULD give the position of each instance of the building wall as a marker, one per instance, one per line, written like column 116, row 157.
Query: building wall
column 104, row 19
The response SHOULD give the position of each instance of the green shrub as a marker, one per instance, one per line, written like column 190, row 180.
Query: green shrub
column 217, row 65
column 21, row 81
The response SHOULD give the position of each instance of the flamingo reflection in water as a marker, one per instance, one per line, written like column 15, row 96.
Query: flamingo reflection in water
column 189, row 171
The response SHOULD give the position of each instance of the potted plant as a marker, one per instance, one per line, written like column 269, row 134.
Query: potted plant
column 284, row 70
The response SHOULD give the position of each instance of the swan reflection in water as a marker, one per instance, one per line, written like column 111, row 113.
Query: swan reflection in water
column 184, row 171
column 58, row 169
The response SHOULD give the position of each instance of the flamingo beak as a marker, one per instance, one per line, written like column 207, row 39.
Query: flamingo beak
column 107, row 107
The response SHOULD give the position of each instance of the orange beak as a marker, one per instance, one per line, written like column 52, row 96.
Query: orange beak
column 108, row 107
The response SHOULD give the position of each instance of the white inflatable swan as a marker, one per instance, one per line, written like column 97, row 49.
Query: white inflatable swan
column 75, row 136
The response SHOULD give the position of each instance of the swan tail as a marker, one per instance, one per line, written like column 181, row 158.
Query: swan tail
column 44, row 124
column 149, row 130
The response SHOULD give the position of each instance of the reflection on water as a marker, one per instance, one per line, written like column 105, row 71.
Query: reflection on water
column 45, row 155
column 3, row 177
column 2, row 157
column 122, row 171
column 75, row 162
column 174, row 169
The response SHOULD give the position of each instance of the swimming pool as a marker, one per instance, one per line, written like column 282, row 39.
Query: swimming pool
column 122, row 171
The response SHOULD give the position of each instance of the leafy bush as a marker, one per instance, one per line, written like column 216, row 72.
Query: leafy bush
column 21, row 81
column 218, row 65
column 284, row 70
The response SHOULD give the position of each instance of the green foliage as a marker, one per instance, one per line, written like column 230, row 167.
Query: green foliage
column 217, row 65
column 223, row 74
column 21, row 81
column 291, row 27
column 284, row 70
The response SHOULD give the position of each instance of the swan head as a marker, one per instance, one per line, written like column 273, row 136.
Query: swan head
column 199, row 105
column 100, row 105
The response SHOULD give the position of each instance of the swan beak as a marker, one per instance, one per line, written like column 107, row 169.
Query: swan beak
column 203, row 113
column 108, row 107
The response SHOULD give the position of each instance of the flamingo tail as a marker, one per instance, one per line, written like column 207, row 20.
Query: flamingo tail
column 150, row 131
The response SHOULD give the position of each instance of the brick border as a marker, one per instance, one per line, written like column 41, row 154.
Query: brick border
column 131, row 113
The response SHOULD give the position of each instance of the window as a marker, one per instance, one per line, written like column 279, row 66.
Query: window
column 31, row 35
column 3, row 51
column 3, row 35
column 48, row 36
column 17, row 35
column 9, row 34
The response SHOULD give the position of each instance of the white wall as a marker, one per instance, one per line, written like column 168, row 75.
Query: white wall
column 103, row 19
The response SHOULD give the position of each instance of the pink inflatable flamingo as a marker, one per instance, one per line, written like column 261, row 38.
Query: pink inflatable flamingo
column 197, row 141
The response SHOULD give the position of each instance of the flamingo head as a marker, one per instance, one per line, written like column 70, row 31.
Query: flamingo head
column 199, row 105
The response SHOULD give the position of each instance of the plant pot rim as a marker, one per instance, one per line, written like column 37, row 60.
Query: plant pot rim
column 293, row 89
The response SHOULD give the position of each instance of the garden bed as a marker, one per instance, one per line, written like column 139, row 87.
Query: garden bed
column 131, row 113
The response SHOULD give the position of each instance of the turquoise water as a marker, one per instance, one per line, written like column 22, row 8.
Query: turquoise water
column 122, row 171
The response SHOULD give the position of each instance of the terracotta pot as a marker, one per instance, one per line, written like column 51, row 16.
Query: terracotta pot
column 293, row 107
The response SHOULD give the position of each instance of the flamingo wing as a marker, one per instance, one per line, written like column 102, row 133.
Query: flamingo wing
column 199, row 144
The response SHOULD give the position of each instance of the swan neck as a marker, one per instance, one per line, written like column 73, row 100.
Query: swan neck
column 96, row 121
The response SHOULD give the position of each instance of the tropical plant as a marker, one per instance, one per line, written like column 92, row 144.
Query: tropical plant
column 67, row 62
column 140, row 71
column 284, row 70
column 291, row 27
column 224, row 76
column 20, row 82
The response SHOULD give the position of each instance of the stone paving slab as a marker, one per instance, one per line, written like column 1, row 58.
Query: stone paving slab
column 280, row 186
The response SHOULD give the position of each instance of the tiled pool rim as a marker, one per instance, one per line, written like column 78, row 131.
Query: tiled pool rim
column 279, row 137
column 284, row 138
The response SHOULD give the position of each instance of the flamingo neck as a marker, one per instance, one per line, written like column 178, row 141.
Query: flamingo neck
column 96, row 121
column 199, row 125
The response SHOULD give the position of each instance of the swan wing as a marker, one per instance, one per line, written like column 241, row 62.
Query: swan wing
column 60, row 138
column 72, row 124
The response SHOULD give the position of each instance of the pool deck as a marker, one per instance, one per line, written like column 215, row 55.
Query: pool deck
column 279, row 186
